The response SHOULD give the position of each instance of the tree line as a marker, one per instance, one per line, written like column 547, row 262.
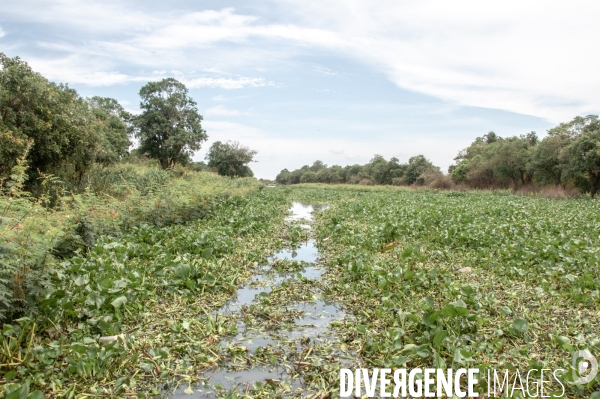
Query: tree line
column 568, row 157
column 63, row 134
column 378, row 170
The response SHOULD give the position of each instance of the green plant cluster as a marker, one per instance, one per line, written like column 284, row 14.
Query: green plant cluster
column 417, row 171
column 155, row 285
column 569, row 156
column 34, row 236
column 59, row 131
column 477, row 280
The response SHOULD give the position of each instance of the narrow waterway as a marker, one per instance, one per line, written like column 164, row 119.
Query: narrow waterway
column 280, row 318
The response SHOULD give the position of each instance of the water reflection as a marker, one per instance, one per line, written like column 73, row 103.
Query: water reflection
column 303, row 211
column 313, row 323
column 307, row 252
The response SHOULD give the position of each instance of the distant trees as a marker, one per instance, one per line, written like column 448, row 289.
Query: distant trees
column 568, row 156
column 169, row 127
column 378, row 170
column 230, row 159
column 581, row 158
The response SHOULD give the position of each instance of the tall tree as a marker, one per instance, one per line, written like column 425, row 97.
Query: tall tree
column 510, row 159
column 230, row 159
column 417, row 167
column 169, row 128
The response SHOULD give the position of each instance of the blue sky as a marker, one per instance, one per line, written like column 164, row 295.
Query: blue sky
column 337, row 81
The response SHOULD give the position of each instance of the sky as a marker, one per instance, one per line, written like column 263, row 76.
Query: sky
column 338, row 81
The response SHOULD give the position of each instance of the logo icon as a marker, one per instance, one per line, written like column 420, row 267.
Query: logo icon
column 581, row 362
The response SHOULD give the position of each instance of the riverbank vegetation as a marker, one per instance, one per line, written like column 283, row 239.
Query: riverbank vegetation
column 565, row 162
column 483, row 280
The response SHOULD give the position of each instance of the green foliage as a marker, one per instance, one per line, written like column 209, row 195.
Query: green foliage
column 27, row 233
column 230, row 159
column 471, row 279
column 113, row 119
column 67, row 136
column 378, row 170
column 157, row 286
column 169, row 127
column 582, row 163
column 117, row 199
column 567, row 157
column 546, row 163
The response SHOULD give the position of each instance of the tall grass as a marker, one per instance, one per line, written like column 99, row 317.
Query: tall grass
column 35, row 232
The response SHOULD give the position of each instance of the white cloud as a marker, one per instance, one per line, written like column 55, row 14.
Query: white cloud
column 220, row 110
column 2, row 33
column 94, row 71
column 525, row 57
column 227, row 83
column 528, row 57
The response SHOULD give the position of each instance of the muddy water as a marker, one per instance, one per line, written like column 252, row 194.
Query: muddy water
column 310, row 324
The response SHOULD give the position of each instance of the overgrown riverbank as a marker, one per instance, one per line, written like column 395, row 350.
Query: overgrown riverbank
column 155, row 285
column 426, row 279
column 35, row 233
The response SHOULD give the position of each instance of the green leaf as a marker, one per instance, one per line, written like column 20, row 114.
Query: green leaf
column 564, row 342
column 439, row 337
column 520, row 325
column 19, row 393
column 207, row 253
column 361, row 329
column 409, row 347
column 119, row 301
column 36, row 395
column 183, row 271
column 10, row 375
column 423, row 351
column 467, row 290
column 79, row 347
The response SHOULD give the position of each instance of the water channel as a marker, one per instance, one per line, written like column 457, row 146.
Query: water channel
column 308, row 324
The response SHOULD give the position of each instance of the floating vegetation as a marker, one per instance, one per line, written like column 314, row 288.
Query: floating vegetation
column 250, row 303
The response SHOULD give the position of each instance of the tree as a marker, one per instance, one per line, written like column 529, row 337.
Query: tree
column 418, row 166
column 51, row 118
column 113, row 122
column 309, row 177
column 510, row 159
column 230, row 159
column 283, row 177
column 582, row 159
column 381, row 171
column 546, row 162
column 169, row 127
column 317, row 166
